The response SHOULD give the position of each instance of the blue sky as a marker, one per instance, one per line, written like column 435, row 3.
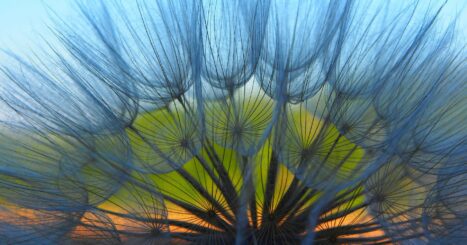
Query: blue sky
column 21, row 20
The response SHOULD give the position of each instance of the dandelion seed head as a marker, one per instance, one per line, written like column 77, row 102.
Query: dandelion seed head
column 254, row 122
